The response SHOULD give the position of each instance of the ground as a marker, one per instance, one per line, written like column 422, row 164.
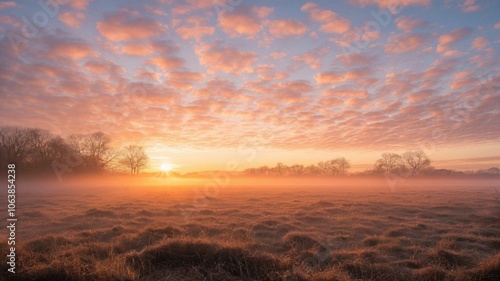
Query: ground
column 265, row 229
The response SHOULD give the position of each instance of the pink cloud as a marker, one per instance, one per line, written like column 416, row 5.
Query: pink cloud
column 183, row 80
column 404, row 43
column 331, row 22
column 393, row 6
column 408, row 24
column 128, row 26
column 196, row 28
column 468, row 6
column 329, row 77
column 356, row 59
column 464, row 79
column 78, row 4
column 8, row 4
column 286, row 28
column 244, row 21
column 479, row 43
column 67, row 48
column 312, row 58
column 167, row 62
column 448, row 39
column 229, row 59
column 277, row 55
column 137, row 50
column 72, row 19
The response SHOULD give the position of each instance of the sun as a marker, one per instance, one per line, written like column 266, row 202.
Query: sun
column 166, row 167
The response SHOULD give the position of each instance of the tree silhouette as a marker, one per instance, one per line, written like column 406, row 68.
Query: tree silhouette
column 134, row 159
column 389, row 163
column 415, row 161
column 94, row 149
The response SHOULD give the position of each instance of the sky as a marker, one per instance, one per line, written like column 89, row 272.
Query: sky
column 232, row 84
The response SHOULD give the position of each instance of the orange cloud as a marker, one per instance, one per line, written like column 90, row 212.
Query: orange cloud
column 355, row 59
column 408, row 24
column 463, row 79
column 468, row 6
column 196, row 28
column 404, row 43
column 286, row 28
column 480, row 43
column 78, row 4
column 244, row 21
column 72, row 19
column 167, row 62
column 8, row 4
column 329, row 77
column 312, row 58
column 225, row 58
column 448, row 39
column 183, row 80
column 137, row 50
column 68, row 48
column 127, row 26
column 331, row 22
column 393, row 6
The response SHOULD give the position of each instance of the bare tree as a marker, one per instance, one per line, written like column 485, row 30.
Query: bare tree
column 389, row 163
column 94, row 149
column 15, row 144
column 415, row 161
column 341, row 166
column 134, row 158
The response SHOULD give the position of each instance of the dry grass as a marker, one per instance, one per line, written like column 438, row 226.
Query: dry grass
column 249, row 233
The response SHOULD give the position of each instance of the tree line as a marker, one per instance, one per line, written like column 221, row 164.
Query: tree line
column 35, row 150
column 335, row 167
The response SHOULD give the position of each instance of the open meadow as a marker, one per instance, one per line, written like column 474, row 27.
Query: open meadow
column 266, row 229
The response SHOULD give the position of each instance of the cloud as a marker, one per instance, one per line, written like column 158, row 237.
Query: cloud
column 64, row 47
column 125, row 25
column 72, row 19
column 408, row 24
column 479, row 43
column 78, row 4
column 329, row 77
column 217, row 57
column 405, row 43
column 394, row 6
column 277, row 55
column 137, row 50
column 464, row 79
column 167, row 62
column 8, row 4
column 183, row 80
column 312, row 58
column 356, row 59
column 468, row 6
column 244, row 20
column 331, row 22
column 196, row 28
column 448, row 39
column 286, row 28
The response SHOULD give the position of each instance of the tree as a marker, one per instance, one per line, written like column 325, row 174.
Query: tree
column 134, row 158
column 342, row 166
column 94, row 149
column 415, row 161
column 389, row 163
column 15, row 145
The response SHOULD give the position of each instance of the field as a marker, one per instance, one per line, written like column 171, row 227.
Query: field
column 266, row 229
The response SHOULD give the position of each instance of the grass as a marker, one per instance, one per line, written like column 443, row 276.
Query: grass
column 274, row 233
